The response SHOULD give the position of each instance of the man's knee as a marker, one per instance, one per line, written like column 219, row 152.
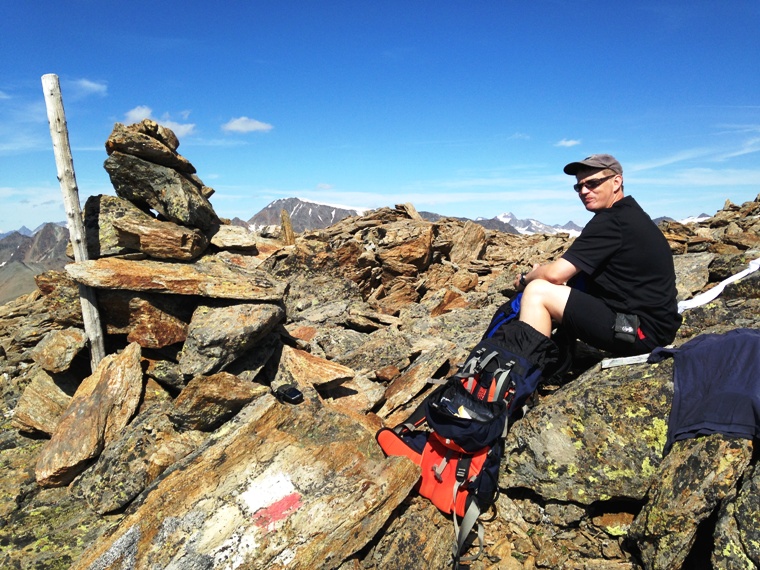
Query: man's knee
column 549, row 296
column 538, row 291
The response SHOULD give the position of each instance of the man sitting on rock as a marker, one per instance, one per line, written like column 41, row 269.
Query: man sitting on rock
column 614, row 288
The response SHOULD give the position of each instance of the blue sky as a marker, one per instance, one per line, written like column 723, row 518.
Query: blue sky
column 462, row 108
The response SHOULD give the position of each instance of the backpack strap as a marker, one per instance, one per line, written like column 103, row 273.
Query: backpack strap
column 462, row 532
column 502, row 381
column 469, row 520
column 439, row 468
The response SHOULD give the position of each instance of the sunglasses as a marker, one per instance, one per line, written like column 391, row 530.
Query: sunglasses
column 592, row 183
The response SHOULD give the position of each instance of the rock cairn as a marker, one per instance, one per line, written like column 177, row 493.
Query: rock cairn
column 175, row 453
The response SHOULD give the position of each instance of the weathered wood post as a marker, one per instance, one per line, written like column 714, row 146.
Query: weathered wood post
column 65, row 166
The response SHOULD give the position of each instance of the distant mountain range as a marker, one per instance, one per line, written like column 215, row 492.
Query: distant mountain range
column 308, row 215
column 304, row 215
column 531, row 226
column 24, row 231
column 24, row 255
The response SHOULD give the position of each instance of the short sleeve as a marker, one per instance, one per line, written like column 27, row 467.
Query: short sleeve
column 598, row 242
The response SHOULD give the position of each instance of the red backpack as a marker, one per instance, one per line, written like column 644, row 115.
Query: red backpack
column 467, row 419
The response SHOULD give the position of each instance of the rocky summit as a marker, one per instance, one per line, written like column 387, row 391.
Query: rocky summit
column 176, row 451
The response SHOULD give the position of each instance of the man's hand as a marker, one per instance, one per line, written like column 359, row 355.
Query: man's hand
column 524, row 278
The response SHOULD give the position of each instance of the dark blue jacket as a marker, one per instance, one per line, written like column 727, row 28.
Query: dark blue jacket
column 716, row 386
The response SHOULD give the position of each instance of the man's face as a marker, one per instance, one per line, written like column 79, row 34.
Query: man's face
column 602, row 196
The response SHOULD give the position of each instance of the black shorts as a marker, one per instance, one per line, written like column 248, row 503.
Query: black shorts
column 588, row 318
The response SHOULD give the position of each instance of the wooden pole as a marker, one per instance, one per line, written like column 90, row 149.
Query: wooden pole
column 65, row 165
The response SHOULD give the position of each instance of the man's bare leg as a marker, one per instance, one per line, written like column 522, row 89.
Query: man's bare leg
column 542, row 304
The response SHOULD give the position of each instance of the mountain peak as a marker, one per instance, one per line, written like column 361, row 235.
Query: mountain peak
column 304, row 214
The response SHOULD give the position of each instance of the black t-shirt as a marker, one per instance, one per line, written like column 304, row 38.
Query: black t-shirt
column 630, row 267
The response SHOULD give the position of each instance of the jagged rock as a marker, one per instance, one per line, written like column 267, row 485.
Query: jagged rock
column 144, row 141
column 397, row 294
column 721, row 316
column 335, row 341
column 747, row 288
column 61, row 297
column 464, row 280
column 101, row 407
column 694, row 478
column 160, row 240
column 211, row 276
column 358, row 395
column 724, row 266
column 447, row 300
column 251, row 365
column 321, row 298
column 43, row 402
column 306, row 333
column 415, row 379
column 234, row 238
column 574, row 447
column 165, row 372
column 462, row 327
column 165, row 190
column 153, row 394
column 31, row 330
column 61, row 529
column 469, row 244
column 382, row 348
column 58, row 348
column 152, row 321
column 404, row 247
column 100, row 212
column 219, row 335
column 304, row 369
column 131, row 462
column 409, row 209
column 692, row 273
column 438, row 276
column 265, row 494
column 422, row 538
column 737, row 544
column 115, row 226
column 209, row 401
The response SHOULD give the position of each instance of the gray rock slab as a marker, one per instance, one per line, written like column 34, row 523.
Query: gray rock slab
column 598, row 438
column 302, row 486
column 219, row 335
column 210, row 276
column 101, row 407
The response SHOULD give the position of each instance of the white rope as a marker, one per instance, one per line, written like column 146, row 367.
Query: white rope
column 710, row 294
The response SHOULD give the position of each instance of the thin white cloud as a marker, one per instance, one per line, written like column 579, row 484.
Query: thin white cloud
column 138, row 114
column 180, row 129
column 669, row 160
column 705, row 177
column 246, row 125
column 730, row 129
column 4, row 95
column 85, row 87
column 748, row 147
column 567, row 143
column 144, row 112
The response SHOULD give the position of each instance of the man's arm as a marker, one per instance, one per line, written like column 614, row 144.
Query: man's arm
column 557, row 272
